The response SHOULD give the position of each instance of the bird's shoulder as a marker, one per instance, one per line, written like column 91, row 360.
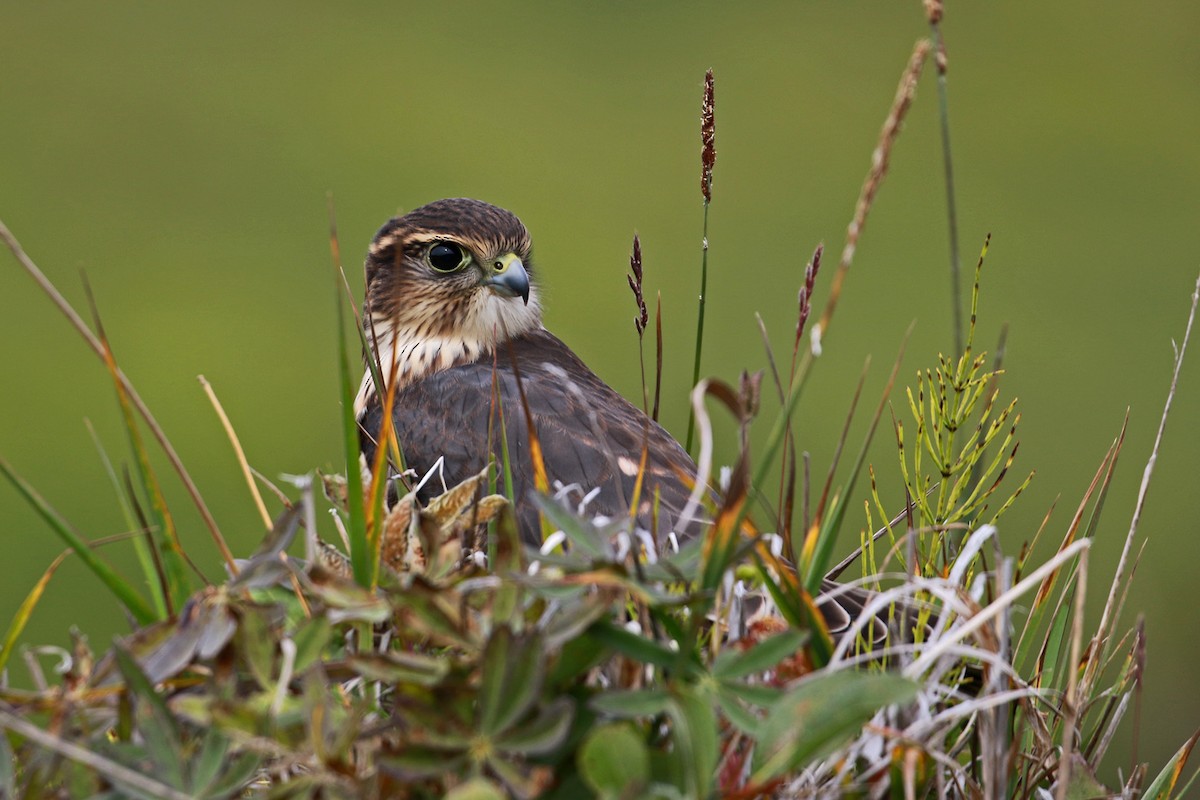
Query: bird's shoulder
column 590, row 435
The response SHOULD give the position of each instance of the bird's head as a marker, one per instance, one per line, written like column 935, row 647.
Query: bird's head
column 453, row 267
column 447, row 282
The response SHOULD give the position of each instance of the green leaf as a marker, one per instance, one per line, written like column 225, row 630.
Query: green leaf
column 1052, row 665
column 1163, row 785
column 633, row 645
column 257, row 647
column 1082, row 783
column 431, row 611
column 506, row 542
column 759, row 658
column 513, row 669
column 521, row 783
column 154, row 721
column 755, row 694
column 141, row 544
column 543, row 734
column 206, row 766
column 576, row 657
column 399, row 667
column 415, row 762
column 580, row 533
column 631, row 703
column 695, row 734
column 347, row 601
column 234, row 778
column 573, row 619
column 613, row 760
column 746, row 722
column 819, row 715
column 310, row 639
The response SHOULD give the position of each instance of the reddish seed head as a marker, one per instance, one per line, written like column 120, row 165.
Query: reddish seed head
column 708, row 138
column 635, row 283
column 805, row 296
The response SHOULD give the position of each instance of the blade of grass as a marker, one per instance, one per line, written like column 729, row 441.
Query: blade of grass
column 237, row 451
column 1111, row 607
column 120, row 588
column 178, row 586
column 825, row 541
column 541, row 481
column 25, row 610
column 1071, row 700
column 841, row 442
column 159, row 580
column 77, row 322
column 388, row 443
column 787, row 475
column 143, row 546
column 356, row 524
column 1164, row 783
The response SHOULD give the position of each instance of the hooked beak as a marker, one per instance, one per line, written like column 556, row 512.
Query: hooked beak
column 507, row 276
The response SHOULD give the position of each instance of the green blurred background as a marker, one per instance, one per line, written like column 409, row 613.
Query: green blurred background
column 181, row 156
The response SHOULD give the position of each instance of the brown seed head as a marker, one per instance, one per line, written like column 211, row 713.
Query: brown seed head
column 708, row 138
column 635, row 283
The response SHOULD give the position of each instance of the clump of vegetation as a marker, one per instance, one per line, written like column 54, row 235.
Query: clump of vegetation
column 431, row 654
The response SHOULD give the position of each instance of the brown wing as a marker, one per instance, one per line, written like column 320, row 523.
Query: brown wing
column 590, row 435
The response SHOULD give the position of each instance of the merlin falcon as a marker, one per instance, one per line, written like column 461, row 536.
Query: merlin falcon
column 453, row 319
column 453, row 316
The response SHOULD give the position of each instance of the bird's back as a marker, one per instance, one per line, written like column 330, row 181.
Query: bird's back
column 590, row 435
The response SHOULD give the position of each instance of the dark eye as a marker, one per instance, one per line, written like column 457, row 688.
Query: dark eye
column 446, row 257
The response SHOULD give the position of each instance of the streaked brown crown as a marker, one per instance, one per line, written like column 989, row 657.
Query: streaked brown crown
column 482, row 228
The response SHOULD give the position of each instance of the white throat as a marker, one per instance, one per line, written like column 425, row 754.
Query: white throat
column 408, row 352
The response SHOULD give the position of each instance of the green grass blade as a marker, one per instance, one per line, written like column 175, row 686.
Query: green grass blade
column 25, row 610
column 699, row 328
column 121, row 588
column 142, row 547
column 178, row 584
column 356, row 524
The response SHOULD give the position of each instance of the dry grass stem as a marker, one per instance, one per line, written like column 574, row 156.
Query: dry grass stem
column 94, row 761
column 1111, row 606
column 880, row 159
column 247, row 473
column 98, row 348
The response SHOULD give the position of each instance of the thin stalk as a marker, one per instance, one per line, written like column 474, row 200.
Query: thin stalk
column 939, row 59
column 699, row 324
column 238, row 452
column 708, row 159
